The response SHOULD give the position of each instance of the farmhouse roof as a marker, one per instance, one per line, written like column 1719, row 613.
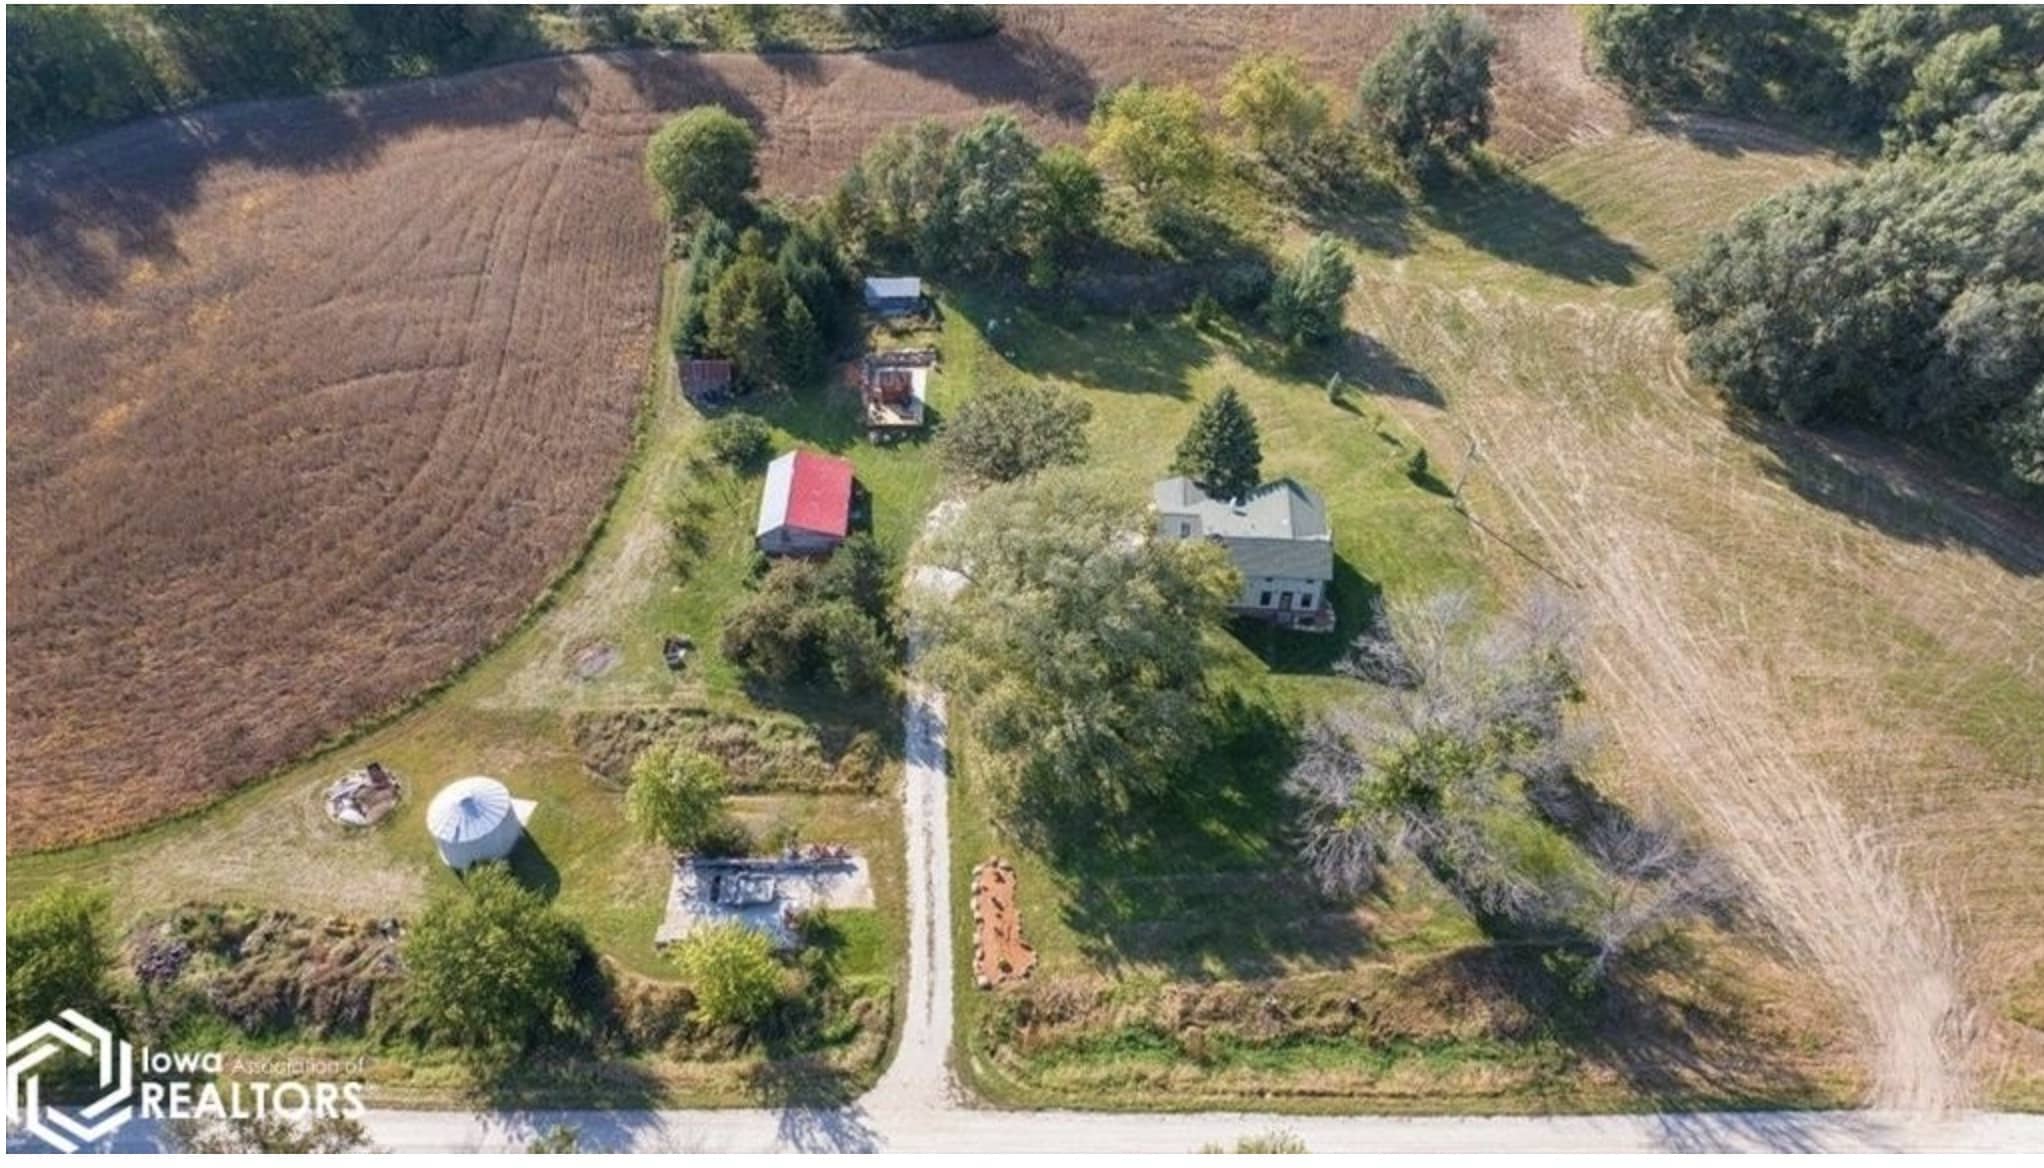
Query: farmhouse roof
column 807, row 490
column 1279, row 529
column 894, row 287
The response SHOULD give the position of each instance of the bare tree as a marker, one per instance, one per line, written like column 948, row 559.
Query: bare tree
column 1476, row 720
column 1659, row 878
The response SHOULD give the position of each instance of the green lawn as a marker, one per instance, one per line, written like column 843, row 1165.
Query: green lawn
column 1162, row 937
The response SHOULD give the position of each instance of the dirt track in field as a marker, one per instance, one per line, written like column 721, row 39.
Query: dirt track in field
column 308, row 399
column 1825, row 648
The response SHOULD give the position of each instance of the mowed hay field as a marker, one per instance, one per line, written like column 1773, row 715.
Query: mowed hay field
column 309, row 399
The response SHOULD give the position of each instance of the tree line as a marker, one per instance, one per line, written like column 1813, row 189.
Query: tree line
column 74, row 68
column 1908, row 296
column 1876, row 71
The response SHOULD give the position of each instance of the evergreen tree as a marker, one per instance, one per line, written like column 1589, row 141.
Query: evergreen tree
column 1221, row 451
column 1306, row 299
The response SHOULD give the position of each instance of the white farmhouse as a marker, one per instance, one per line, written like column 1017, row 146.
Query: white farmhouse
column 1278, row 537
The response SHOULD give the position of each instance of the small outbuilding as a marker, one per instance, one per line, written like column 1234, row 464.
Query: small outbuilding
column 706, row 381
column 894, row 392
column 894, row 295
column 805, row 506
column 475, row 819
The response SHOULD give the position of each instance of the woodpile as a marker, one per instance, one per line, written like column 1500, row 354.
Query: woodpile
column 999, row 954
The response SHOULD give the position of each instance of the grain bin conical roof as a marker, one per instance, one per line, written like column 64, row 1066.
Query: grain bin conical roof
column 475, row 819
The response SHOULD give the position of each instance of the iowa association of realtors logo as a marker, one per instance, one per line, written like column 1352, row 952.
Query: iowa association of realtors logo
column 67, row 1129
column 155, row 1085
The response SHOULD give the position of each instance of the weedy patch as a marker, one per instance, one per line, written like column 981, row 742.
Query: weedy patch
column 764, row 752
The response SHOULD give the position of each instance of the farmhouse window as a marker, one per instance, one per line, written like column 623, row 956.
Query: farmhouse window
column 1265, row 602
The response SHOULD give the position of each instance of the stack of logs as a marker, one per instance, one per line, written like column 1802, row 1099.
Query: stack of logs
column 998, row 951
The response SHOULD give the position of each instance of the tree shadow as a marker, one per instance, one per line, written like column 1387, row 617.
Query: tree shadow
column 1162, row 881
column 1736, row 137
column 1498, row 211
column 90, row 207
column 595, row 1131
column 1899, row 490
column 816, row 1104
column 676, row 79
column 1018, row 66
column 1135, row 355
column 571, row 1074
column 1677, row 1051
column 1336, row 195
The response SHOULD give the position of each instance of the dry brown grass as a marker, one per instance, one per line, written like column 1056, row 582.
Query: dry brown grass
column 1479, row 1029
column 309, row 398
column 1825, row 647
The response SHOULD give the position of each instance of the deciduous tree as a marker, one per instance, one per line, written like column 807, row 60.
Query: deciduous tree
column 1062, row 213
column 1278, row 108
column 675, row 796
column 1906, row 294
column 1077, row 646
column 488, row 963
column 1012, row 431
column 1155, row 138
column 1428, row 96
column 702, row 161
column 56, row 954
column 985, row 190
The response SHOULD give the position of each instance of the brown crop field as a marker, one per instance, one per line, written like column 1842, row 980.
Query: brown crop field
column 309, row 399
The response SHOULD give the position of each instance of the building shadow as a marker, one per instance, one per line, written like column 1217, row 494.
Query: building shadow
column 1283, row 650
column 532, row 868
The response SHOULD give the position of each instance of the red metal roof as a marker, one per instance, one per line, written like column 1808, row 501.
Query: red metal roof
column 820, row 493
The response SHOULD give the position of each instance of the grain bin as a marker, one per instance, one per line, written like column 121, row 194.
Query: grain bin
column 476, row 819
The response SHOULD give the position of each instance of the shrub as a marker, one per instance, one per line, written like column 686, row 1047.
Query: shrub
column 732, row 971
column 1244, row 287
column 740, row 441
column 56, row 954
column 812, row 623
